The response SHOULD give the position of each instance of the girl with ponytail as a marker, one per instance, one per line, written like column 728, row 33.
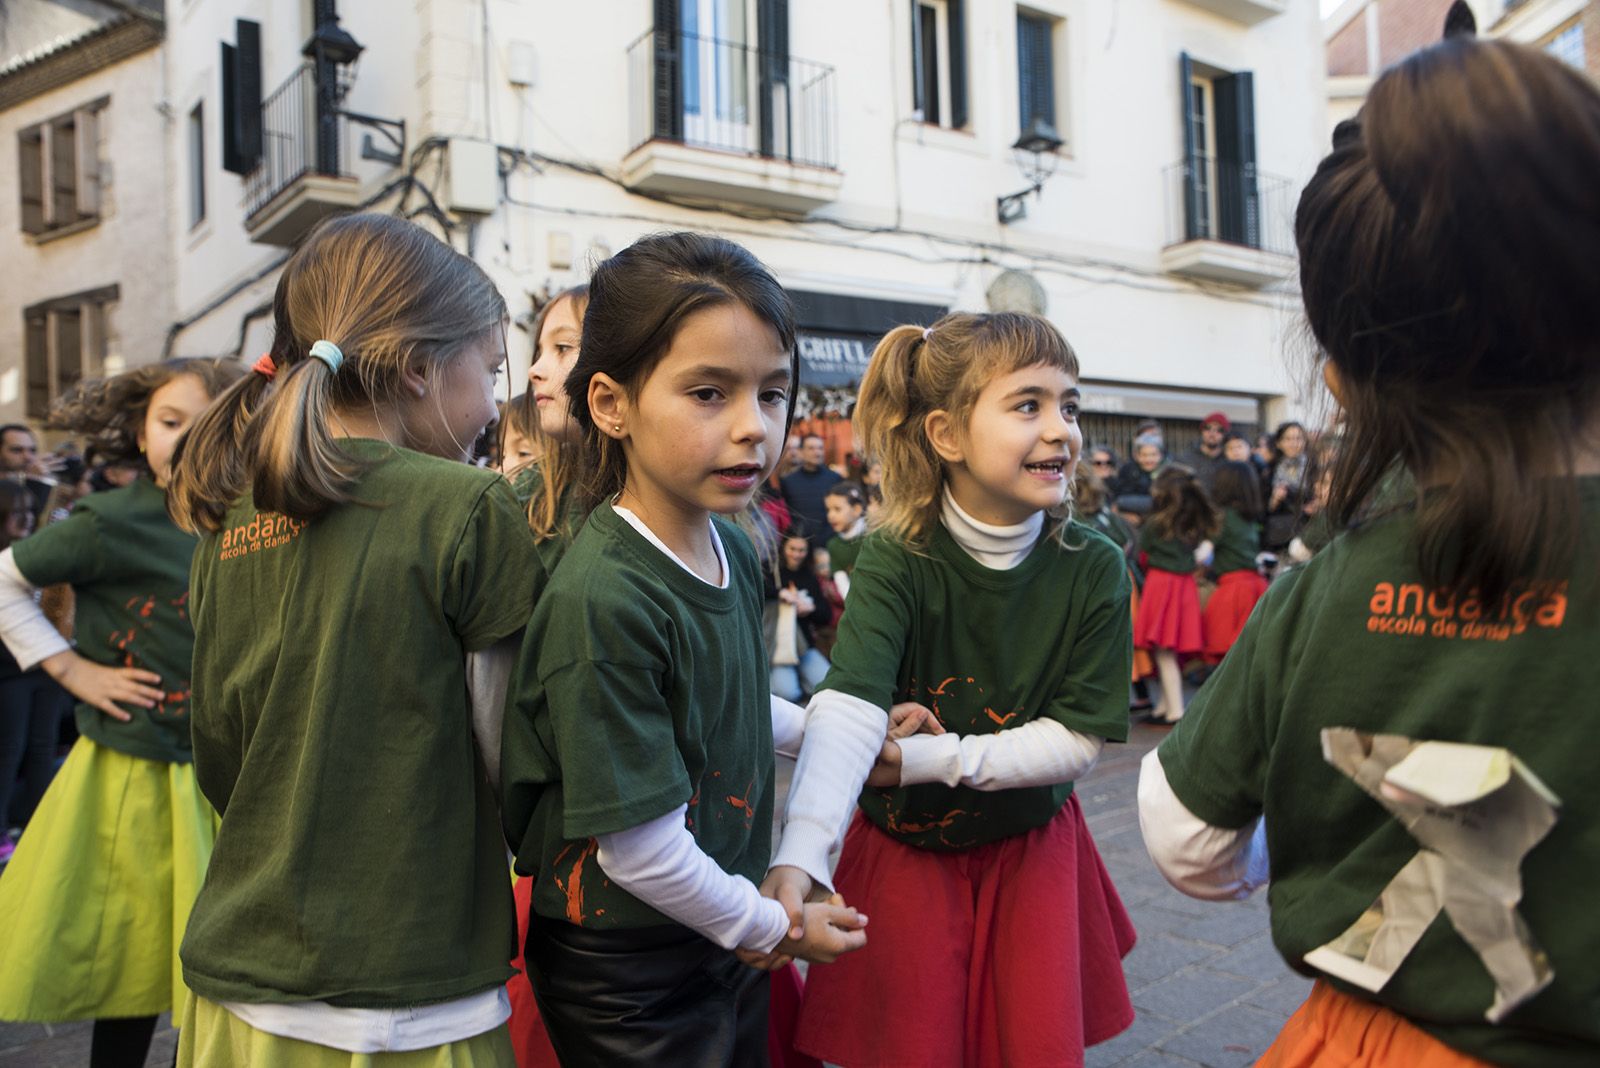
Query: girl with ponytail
column 101, row 883
column 1405, row 713
column 349, row 560
column 980, row 598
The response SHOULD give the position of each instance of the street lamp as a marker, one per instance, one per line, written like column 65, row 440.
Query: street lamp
column 1035, row 155
column 333, row 53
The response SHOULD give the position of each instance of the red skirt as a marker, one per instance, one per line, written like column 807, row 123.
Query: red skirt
column 1006, row 954
column 1229, row 609
column 1169, row 614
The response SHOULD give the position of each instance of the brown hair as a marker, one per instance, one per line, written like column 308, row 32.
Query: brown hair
column 915, row 371
column 1235, row 484
column 1179, row 507
column 14, row 497
column 110, row 412
column 638, row 301
column 1449, row 270
column 1088, row 488
column 393, row 298
column 558, row 460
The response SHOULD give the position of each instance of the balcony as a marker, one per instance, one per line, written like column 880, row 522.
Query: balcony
column 298, row 180
column 1248, row 12
column 717, row 120
column 1228, row 222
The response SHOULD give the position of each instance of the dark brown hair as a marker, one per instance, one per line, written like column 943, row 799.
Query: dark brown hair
column 1448, row 261
column 393, row 298
column 1179, row 507
column 638, row 301
column 110, row 412
column 1236, row 485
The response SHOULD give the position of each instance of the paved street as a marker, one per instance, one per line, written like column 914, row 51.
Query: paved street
column 1208, row 986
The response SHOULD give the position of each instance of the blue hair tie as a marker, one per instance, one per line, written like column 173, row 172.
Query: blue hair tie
column 328, row 353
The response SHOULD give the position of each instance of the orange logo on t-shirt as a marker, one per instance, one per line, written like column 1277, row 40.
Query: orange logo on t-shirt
column 1412, row 609
column 267, row 530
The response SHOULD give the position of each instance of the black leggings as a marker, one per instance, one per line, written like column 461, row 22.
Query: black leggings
column 656, row 996
column 123, row 1042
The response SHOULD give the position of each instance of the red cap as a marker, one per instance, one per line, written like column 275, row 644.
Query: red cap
column 1219, row 419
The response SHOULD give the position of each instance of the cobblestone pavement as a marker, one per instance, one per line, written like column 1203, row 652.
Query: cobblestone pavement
column 1208, row 986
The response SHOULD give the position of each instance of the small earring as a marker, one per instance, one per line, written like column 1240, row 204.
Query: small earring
column 616, row 428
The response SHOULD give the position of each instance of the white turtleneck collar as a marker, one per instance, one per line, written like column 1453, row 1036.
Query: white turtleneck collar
column 997, row 548
column 855, row 530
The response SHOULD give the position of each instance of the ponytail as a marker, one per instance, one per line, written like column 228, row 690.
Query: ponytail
column 889, row 416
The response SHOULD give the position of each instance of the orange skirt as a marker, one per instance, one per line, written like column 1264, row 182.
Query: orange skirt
column 1143, row 666
column 1336, row 1030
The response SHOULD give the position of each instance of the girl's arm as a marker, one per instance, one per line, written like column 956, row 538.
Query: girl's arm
column 34, row 641
column 1040, row 753
column 488, row 680
column 1212, row 863
column 23, row 626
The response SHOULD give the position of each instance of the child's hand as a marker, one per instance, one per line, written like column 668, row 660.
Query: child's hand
column 886, row 769
column 101, row 686
column 831, row 931
column 789, row 886
column 771, row 962
column 908, row 718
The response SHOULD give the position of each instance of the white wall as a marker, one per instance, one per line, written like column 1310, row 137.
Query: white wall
column 1093, row 239
column 129, row 247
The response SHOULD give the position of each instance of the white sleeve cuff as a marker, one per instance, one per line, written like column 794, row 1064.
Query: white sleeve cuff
column 1211, row 863
column 843, row 735
column 1040, row 753
column 788, row 727
column 661, row 864
column 27, row 633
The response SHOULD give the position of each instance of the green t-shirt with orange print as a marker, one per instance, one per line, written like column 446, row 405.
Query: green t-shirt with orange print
column 1357, row 639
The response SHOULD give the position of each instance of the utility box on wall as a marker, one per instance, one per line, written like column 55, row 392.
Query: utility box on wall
column 474, row 176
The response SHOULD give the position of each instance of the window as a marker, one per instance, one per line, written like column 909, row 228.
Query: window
column 938, row 62
column 1221, row 193
column 59, row 171
column 1036, row 71
column 66, row 341
column 197, row 166
column 1567, row 45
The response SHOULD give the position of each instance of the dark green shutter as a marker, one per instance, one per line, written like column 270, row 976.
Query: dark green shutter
column 777, row 115
column 1192, row 160
column 956, row 13
column 1238, row 197
column 669, row 43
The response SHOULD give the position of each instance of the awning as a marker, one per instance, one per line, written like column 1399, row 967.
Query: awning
column 1108, row 399
column 838, row 333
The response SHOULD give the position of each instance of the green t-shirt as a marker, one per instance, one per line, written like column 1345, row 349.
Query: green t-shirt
column 986, row 650
column 1236, row 545
column 843, row 553
column 640, row 688
column 128, row 566
column 1354, row 639
column 526, row 483
column 1166, row 554
column 360, row 859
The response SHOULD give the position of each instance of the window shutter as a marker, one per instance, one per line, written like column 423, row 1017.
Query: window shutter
column 669, row 45
column 1238, row 198
column 86, row 130
column 37, row 334
column 772, row 38
column 918, row 98
column 1035, row 71
column 1191, row 150
column 63, row 153
column 231, row 161
column 30, row 179
column 959, row 112
column 247, row 94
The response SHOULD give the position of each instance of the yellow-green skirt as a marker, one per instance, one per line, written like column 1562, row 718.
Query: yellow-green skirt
column 96, row 897
column 216, row 1038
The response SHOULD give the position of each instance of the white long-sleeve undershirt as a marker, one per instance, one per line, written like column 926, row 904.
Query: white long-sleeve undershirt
column 27, row 633
column 1198, row 859
column 844, row 734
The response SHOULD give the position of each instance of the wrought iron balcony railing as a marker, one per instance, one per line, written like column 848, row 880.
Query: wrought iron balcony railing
column 1214, row 199
column 295, row 141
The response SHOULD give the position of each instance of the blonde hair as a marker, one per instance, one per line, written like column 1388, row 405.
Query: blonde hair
column 558, row 461
column 393, row 298
column 914, row 372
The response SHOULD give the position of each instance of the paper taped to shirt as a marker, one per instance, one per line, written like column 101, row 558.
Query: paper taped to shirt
column 1475, row 811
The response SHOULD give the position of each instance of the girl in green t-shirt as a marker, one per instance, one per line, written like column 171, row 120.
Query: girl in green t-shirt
column 1404, row 731
column 350, row 562
column 110, row 863
column 1174, row 541
column 996, row 934
column 638, row 747
column 1236, row 491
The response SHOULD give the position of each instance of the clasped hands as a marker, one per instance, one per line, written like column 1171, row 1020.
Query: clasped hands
column 822, row 927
